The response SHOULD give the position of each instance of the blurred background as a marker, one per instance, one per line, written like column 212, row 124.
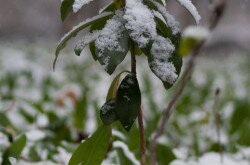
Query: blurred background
column 56, row 110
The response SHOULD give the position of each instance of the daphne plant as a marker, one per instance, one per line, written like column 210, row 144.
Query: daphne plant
column 141, row 27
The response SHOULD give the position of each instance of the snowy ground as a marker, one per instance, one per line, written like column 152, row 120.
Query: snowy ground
column 42, row 104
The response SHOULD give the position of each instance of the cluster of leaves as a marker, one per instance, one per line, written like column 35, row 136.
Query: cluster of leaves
column 159, row 41
column 67, row 125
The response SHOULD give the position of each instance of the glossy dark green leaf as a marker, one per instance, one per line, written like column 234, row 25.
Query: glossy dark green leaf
column 14, row 150
column 66, row 8
column 114, row 86
column 164, row 154
column 128, row 101
column 75, row 31
column 93, row 150
column 110, row 59
column 107, row 112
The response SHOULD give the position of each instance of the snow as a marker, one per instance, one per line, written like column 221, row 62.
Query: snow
column 119, row 134
column 191, row 8
column 169, row 19
column 78, row 4
column 161, row 50
column 35, row 135
column 140, row 21
column 86, row 39
column 212, row 158
column 127, row 152
column 113, row 30
column 197, row 32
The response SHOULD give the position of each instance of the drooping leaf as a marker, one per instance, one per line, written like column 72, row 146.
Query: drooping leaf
column 14, row 150
column 66, row 8
column 97, row 26
column 75, row 31
column 111, row 51
column 187, row 4
column 128, row 101
column 114, row 86
column 107, row 112
column 93, row 150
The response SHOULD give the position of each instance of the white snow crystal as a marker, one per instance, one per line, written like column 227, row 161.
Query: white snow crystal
column 161, row 51
column 108, row 39
column 78, row 4
column 127, row 152
column 191, row 8
column 87, row 39
column 140, row 20
column 170, row 20
column 197, row 32
column 162, row 48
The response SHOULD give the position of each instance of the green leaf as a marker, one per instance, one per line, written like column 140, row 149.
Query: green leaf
column 114, row 86
column 187, row 44
column 110, row 59
column 14, row 150
column 107, row 112
column 80, row 113
column 164, row 154
column 75, row 31
column 128, row 101
column 66, row 8
column 93, row 150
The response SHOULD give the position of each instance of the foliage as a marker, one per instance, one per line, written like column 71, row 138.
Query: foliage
column 45, row 109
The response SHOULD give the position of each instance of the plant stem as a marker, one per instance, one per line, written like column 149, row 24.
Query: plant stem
column 140, row 118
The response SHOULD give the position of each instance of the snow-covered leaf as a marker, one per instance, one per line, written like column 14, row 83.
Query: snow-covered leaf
column 99, row 26
column 128, row 101
column 75, row 31
column 66, row 8
column 15, row 149
column 187, row 4
column 78, row 4
column 86, row 39
column 140, row 22
column 107, row 112
column 113, row 43
column 163, row 60
column 92, row 150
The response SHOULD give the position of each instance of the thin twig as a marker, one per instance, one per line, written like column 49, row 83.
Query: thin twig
column 216, row 15
column 140, row 117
